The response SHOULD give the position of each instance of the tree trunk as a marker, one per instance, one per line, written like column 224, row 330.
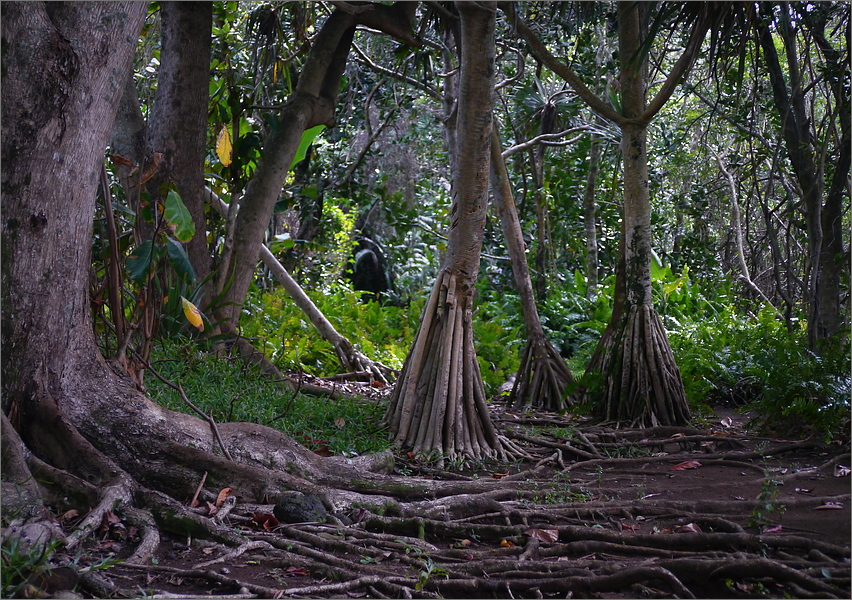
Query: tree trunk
column 89, row 435
column 589, row 220
column 438, row 404
column 795, row 131
column 833, row 259
column 313, row 103
column 543, row 374
column 635, row 370
column 178, row 126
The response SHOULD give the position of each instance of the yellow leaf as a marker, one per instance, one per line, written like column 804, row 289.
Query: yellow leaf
column 193, row 315
column 224, row 147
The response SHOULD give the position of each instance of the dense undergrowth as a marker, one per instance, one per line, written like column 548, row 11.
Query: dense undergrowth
column 726, row 355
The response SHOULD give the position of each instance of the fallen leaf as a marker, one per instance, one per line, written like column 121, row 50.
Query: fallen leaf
column 547, row 536
column 688, row 464
column 223, row 495
column 265, row 520
column 499, row 475
column 410, row 455
column 506, row 544
column 208, row 550
column 630, row 528
column 688, row 528
column 776, row 529
column 70, row 514
column 356, row 594
column 340, row 422
column 297, row 571
column 727, row 422
column 212, row 509
column 841, row 471
column 804, row 490
column 677, row 435
column 830, row 506
column 463, row 543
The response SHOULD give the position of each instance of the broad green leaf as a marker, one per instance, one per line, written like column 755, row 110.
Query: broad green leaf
column 178, row 217
column 579, row 282
column 141, row 261
column 658, row 269
column 179, row 259
column 307, row 139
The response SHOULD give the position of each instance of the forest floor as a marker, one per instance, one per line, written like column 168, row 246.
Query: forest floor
column 711, row 511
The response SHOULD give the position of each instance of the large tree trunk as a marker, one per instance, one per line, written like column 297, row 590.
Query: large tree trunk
column 543, row 375
column 313, row 103
column 92, row 436
column 438, row 404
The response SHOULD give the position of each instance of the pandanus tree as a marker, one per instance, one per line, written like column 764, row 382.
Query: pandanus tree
column 636, row 377
column 543, row 375
column 438, row 405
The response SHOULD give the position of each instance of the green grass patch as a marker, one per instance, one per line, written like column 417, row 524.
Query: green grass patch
column 232, row 390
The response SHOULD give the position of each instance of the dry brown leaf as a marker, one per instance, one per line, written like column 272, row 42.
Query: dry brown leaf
column 223, row 495
column 499, row 475
column 506, row 544
column 688, row 528
column 340, row 422
column 118, row 159
column 830, row 506
column 70, row 514
column 548, row 536
column 727, row 422
column 688, row 464
column 776, row 529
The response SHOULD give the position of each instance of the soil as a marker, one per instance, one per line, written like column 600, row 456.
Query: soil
column 597, row 512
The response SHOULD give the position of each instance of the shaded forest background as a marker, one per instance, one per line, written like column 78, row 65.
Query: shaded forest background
column 361, row 221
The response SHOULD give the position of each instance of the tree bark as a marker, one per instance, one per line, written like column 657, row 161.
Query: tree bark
column 438, row 405
column 543, row 375
column 350, row 358
column 178, row 126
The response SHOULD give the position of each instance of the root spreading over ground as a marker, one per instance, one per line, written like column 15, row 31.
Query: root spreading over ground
column 599, row 512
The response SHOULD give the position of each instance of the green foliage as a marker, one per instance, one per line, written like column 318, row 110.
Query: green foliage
column 231, row 390
column 384, row 333
column 757, row 361
column 178, row 218
column 19, row 565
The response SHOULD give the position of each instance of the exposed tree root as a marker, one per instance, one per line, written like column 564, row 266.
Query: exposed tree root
column 542, row 378
column 438, row 405
column 639, row 381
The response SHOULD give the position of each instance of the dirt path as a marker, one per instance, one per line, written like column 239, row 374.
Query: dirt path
column 710, row 512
